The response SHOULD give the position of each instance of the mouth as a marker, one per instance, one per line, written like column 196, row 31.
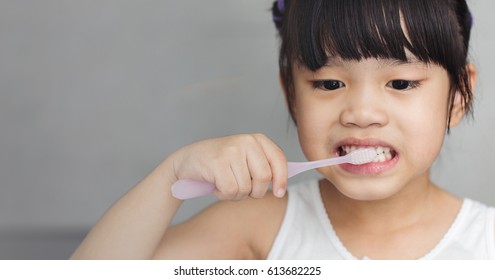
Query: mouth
column 384, row 153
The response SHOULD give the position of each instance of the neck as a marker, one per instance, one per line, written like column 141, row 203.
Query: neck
column 399, row 211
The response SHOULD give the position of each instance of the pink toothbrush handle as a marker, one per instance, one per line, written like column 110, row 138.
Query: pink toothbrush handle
column 186, row 189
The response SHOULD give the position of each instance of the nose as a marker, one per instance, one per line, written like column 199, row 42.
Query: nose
column 364, row 108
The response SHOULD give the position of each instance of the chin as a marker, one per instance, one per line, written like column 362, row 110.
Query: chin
column 366, row 196
column 366, row 190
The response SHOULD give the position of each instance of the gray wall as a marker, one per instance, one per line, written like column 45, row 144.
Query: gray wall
column 94, row 94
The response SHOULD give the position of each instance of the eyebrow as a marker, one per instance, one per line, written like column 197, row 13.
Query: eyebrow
column 397, row 62
column 384, row 62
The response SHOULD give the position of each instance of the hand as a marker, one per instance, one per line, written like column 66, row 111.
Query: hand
column 240, row 166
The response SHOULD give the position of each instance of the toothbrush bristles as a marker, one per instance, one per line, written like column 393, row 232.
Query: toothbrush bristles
column 362, row 156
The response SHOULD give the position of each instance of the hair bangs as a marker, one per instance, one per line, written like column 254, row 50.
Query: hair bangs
column 362, row 29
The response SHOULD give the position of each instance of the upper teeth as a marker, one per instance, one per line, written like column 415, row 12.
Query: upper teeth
column 382, row 153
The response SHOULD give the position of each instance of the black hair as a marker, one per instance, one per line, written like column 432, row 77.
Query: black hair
column 438, row 32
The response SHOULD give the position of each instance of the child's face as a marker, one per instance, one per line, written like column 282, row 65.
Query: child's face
column 379, row 103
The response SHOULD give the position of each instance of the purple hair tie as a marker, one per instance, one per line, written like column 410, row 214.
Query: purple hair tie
column 281, row 5
column 278, row 13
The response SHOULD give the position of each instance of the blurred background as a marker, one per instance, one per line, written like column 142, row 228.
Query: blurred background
column 95, row 93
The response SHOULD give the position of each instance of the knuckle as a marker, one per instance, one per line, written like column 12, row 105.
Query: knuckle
column 281, row 156
column 245, row 139
column 259, row 136
column 263, row 177
column 249, row 139
column 244, row 189
column 259, row 192
column 231, row 151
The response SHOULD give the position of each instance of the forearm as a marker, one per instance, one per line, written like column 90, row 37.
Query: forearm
column 240, row 166
column 133, row 227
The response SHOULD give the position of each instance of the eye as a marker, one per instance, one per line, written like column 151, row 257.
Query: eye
column 403, row 84
column 328, row 84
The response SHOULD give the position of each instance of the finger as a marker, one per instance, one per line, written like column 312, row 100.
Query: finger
column 260, row 170
column 259, row 190
column 278, row 164
column 226, row 184
column 242, row 176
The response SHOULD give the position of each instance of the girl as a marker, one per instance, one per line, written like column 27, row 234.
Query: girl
column 387, row 74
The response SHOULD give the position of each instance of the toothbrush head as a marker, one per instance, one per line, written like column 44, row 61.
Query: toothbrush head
column 362, row 156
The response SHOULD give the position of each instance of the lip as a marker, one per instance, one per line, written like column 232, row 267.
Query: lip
column 372, row 168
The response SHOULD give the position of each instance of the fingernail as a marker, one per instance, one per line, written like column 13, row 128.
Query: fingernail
column 280, row 192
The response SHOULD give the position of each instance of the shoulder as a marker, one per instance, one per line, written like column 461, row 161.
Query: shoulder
column 480, row 217
column 242, row 229
column 475, row 215
column 478, row 209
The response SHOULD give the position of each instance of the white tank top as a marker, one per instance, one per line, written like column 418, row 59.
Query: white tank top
column 306, row 232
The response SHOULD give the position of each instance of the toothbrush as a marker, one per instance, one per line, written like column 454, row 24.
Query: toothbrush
column 186, row 189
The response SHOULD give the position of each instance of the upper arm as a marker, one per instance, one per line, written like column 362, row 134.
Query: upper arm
column 226, row 230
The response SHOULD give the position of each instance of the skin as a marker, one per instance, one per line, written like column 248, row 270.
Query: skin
column 377, row 217
column 374, row 216
column 366, row 107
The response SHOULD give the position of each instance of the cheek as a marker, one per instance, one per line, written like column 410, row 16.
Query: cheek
column 314, row 123
column 426, row 141
column 424, row 128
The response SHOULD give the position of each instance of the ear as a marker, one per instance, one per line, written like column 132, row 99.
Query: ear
column 458, row 109
column 284, row 90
